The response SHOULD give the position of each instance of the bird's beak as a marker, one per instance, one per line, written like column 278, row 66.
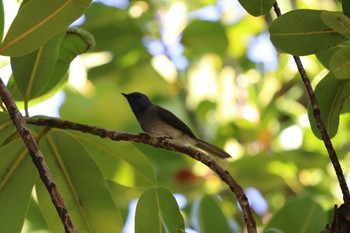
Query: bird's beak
column 125, row 95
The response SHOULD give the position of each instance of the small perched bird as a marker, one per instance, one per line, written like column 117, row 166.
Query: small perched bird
column 159, row 122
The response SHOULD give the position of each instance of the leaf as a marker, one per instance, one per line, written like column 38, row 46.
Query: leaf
column 300, row 215
column 82, row 186
column 75, row 42
column 157, row 211
column 209, row 217
column 117, row 164
column 31, row 72
column 17, row 177
column 340, row 63
column 302, row 32
column 330, row 94
column 37, row 22
column 346, row 8
column 2, row 19
column 7, row 129
column 325, row 56
column 257, row 8
column 337, row 21
column 201, row 37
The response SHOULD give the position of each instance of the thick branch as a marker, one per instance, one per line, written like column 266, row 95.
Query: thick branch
column 37, row 157
column 320, row 124
column 165, row 144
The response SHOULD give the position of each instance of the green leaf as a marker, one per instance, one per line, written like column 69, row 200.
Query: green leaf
column 42, row 79
column 17, row 177
column 302, row 32
column 330, row 94
column 157, row 211
column 337, row 21
column 81, row 184
column 75, row 42
column 116, row 163
column 37, row 22
column 31, row 72
column 340, row 63
column 202, row 37
column 346, row 8
column 7, row 129
column 209, row 216
column 325, row 56
column 300, row 215
column 2, row 19
column 257, row 8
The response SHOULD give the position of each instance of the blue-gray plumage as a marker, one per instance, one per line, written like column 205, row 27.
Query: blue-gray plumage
column 159, row 122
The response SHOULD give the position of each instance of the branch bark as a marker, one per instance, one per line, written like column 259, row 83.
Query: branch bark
column 160, row 143
column 37, row 157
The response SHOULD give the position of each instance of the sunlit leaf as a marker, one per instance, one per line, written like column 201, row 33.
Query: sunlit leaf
column 157, row 211
column 37, row 22
column 257, row 8
column 330, row 104
column 208, row 216
column 82, row 185
column 31, row 72
column 120, row 161
column 302, row 32
column 299, row 215
column 17, row 177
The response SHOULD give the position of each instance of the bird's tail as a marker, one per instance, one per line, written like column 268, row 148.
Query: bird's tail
column 211, row 149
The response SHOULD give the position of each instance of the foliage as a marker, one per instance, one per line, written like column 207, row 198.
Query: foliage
column 214, row 74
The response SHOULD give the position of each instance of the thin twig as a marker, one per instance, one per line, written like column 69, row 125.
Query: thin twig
column 160, row 143
column 37, row 157
column 320, row 124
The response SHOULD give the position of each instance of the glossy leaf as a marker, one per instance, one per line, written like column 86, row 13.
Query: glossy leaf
column 157, row 211
column 208, row 216
column 302, row 32
column 37, row 22
column 331, row 104
column 81, row 184
column 337, row 21
column 120, row 162
column 17, row 177
column 257, row 8
column 31, row 72
column 299, row 215
column 201, row 37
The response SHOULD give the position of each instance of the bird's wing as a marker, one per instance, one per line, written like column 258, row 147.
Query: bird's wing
column 169, row 118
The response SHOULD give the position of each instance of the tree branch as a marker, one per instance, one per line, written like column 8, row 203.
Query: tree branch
column 160, row 143
column 37, row 157
column 320, row 124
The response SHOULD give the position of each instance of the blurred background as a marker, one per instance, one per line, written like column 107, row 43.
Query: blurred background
column 211, row 64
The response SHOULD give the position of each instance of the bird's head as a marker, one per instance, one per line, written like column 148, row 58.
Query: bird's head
column 137, row 101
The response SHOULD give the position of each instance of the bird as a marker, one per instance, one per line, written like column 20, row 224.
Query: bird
column 159, row 122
